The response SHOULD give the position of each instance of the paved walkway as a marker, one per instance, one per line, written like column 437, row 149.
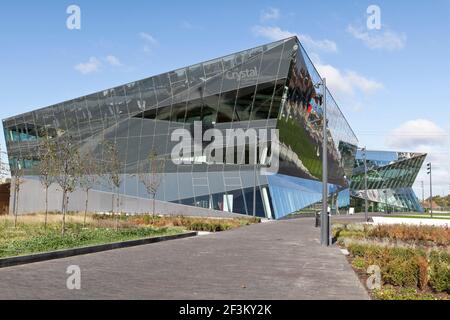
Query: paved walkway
column 275, row 260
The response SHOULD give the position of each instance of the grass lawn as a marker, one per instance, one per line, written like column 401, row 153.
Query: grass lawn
column 30, row 236
column 414, row 261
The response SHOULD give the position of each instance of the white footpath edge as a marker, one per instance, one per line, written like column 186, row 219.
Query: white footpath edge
column 412, row 221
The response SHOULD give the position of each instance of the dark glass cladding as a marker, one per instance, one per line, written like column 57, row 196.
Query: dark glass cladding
column 301, row 127
column 267, row 87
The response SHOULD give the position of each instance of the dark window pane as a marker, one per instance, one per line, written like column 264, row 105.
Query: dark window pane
column 226, row 107
column 243, row 104
column 263, row 101
column 178, row 112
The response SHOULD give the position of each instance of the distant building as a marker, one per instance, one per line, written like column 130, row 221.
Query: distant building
column 390, row 177
column 426, row 205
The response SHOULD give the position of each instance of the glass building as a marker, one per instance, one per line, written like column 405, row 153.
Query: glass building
column 390, row 177
column 274, row 86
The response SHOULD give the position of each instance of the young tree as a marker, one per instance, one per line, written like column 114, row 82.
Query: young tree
column 67, row 171
column 89, row 175
column 47, row 158
column 113, row 170
column 151, row 174
column 17, row 172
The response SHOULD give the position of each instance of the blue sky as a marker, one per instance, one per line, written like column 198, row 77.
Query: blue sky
column 392, row 84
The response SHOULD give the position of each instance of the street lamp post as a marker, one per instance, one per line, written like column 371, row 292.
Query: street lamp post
column 254, row 184
column 366, row 204
column 431, row 188
column 325, row 219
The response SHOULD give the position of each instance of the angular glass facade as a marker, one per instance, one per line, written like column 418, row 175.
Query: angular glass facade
column 390, row 177
column 274, row 86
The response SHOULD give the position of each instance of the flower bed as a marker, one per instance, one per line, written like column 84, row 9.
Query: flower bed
column 414, row 261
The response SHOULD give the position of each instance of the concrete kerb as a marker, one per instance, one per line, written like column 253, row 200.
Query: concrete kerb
column 64, row 253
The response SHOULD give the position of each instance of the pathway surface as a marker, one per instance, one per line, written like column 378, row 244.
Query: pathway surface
column 274, row 260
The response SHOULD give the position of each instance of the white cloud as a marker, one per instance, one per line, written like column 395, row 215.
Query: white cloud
column 276, row 33
column 347, row 82
column 324, row 45
column 270, row 14
column 423, row 135
column 186, row 25
column 113, row 61
column 362, row 83
column 149, row 40
column 148, row 37
column 379, row 39
column 92, row 65
column 441, row 173
column 343, row 84
column 420, row 133
column 272, row 33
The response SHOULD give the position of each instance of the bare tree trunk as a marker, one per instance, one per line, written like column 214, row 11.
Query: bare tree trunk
column 118, row 209
column 64, row 208
column 153, row 205
column 112, row 203
column 46, row 207
column 86, row 208
column 16, row 208
column 14, row 202
column 112, row 206
column 15, row 212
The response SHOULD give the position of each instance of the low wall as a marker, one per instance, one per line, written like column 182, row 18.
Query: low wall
column 32, row 200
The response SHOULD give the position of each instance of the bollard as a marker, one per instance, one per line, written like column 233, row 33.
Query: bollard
column 318, row 219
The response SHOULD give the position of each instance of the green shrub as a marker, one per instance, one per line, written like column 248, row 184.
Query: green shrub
column 440, row 277
column 423, row 235
column 371, row 253
column 354, row 234
column 357, row 250
column 406, row 253
column 210, row 226
column 440, row 271
column 359, row 263
column 389, row 293
column 404, row 267
column 399, row 266
column 354, row 231
column 440, row 256
column 399, row 272
column 193, row 223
